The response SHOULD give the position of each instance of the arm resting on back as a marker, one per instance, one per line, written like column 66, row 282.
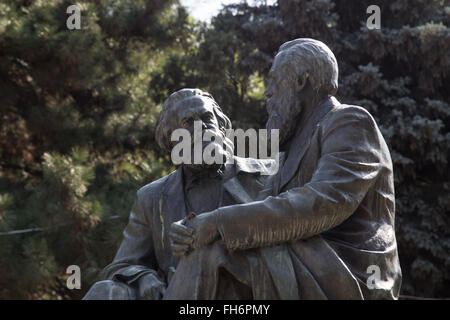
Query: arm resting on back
column 352, row 156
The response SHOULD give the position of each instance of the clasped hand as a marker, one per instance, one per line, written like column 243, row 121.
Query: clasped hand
column 193, row 233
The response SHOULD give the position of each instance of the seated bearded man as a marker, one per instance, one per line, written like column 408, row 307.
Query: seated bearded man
column 148, row 256
column 328, row 223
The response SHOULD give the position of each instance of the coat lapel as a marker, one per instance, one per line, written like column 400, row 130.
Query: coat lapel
column 239, row 191
column 301, row 143
column 172, row 206
column 173, row 196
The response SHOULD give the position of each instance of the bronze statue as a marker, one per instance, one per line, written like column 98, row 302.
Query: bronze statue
column 322, row 227
column 329, row 220
column 147, row 258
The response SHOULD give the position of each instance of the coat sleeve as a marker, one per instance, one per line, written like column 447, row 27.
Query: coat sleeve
column 135, row 257
column 353, row 154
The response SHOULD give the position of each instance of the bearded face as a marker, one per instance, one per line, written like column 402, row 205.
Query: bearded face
column 218, row 145
column 197, row 116
column 282, row 103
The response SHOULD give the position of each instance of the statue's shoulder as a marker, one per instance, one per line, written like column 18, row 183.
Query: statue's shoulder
column 154, row 188
column 346, row 112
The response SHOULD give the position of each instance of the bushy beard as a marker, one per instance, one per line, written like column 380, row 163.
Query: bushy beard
column 221, row 144
column 284, row 112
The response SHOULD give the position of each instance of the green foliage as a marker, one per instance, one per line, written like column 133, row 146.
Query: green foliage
column 78, row 111
column 75, row 136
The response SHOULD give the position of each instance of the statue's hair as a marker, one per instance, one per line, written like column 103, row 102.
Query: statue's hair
column 165, row 127
column 320, row 62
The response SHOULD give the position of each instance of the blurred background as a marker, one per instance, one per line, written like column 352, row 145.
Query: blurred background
column 78, row 110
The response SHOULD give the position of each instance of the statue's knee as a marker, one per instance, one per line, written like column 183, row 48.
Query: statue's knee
column 110, row 290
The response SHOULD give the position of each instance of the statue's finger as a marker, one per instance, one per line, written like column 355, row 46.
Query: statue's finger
column 178, row 247
column 181, row 229
column 181, row 239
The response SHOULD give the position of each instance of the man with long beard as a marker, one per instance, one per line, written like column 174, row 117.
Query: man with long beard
column 147, row 258
column 327, row 229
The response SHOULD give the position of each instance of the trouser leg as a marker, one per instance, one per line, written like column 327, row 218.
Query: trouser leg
column 110, row 290
column 211, row 273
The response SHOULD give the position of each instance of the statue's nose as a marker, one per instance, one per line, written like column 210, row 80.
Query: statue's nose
column 203, row 124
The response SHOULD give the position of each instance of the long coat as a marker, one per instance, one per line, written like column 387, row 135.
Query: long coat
column 327, row 229
column 145, row 247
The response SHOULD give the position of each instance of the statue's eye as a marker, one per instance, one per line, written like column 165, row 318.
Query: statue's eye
column 207, row 117
column 186, row 122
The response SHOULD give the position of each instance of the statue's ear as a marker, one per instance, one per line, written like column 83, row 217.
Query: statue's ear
column 302, row 80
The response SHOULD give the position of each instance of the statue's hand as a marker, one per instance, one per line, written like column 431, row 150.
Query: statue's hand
column 193, row 232
column 181, row 238
column 151, row 288
column 205, row 229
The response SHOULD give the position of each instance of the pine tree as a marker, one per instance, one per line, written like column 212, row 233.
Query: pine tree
column 76, row 134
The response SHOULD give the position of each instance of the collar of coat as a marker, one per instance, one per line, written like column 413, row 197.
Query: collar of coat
column 173, row 185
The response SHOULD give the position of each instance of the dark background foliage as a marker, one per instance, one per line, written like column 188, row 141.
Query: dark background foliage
column 78, row 111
